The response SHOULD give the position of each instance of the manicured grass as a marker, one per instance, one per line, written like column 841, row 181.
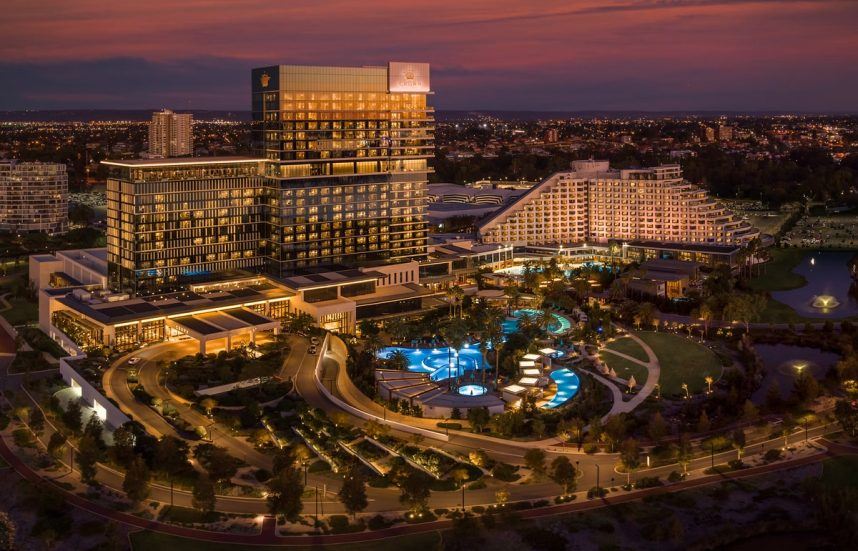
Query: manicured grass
column 624, row 367
column 184, row 515
column 682, row 361
column 777, row 274
column 840, row 471
column 146, row 541
column 22, row 311
column 629, row 347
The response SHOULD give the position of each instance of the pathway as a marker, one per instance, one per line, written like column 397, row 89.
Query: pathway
column 653, row 375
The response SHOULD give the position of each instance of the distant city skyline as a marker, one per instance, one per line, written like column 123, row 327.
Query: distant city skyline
column 637, row 55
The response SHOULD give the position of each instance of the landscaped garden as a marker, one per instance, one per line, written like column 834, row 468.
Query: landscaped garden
column 682, row 361
column 629, row 347
column 625, row 369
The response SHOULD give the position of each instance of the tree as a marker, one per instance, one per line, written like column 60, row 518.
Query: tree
column 37, row 420
column 630, row 456
column 537, row 427
column 615, row 430
column 750, row 412
column 415, row 493
column 534, row 458
column 352, row 493
column 684, row 452
column 657, row 428
column 846, row 415
column 123, row 446
column 478, row 418
column 171, row 458
column 136, row 482
column 72, row 416
column 95, row 428
column 203, row 498
column 739, row 440
column 56, row 445
column 284, row 496
column 208, row 405
column 7, row 532
column 87, row 456
column 646, row 315
column 703, row 423
column 805, row 388
column 563, row 473
column 706, row 315
column 502, row 496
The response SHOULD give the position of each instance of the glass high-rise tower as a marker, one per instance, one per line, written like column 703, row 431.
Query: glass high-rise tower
column 347, row 151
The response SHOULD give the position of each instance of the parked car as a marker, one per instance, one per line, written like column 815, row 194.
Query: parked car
column 311, row 350
column 314, row 341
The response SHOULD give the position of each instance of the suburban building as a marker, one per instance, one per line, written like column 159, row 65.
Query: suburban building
column 33, row 197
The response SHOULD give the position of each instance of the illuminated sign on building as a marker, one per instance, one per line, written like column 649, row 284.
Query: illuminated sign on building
column 408, row 77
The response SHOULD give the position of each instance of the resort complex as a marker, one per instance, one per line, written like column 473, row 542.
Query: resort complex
column 282, row 332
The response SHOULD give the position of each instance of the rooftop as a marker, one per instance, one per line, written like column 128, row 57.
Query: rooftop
column 138, row 163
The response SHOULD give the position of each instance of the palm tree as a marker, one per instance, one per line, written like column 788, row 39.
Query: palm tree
column 708, row 380
column 706, row 314
column 513, row 293
column 493, row 332
column 454, row 333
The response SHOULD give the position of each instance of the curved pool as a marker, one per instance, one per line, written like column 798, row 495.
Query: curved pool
column 440, row 363
column 567, row 387
column 557, row 326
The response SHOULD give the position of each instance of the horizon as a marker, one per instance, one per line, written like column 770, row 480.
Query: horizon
column 583, row 56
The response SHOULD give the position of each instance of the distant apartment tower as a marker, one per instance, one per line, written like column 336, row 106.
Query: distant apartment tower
column 551, row 135
column 596, row 204
column 708, row 133
column 725, row 133
column 171, row 134
column 33, row 197
column 347, row 151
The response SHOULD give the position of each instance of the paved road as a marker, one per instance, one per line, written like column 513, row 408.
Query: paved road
column 268, row 535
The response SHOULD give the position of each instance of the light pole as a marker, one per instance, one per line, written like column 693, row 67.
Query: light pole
column 597, row 477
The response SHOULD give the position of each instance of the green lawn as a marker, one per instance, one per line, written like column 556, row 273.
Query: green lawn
column 840, row 471
column 682, row 361
column 22, row 312
column 629, row 347
column 146, row 540
column 777, row 274
column 624, row 367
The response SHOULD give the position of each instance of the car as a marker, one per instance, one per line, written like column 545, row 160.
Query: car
column 311, row 350
column 134, row 360
column 314, row 340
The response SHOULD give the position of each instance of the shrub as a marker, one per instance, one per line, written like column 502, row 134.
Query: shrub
column 596, row 492
column 648, row 482
column 675, row 476
column 772, row 455
column 505, row 472
column 451, row 426
column 340, row 524
column 378, row 522
column 262, row 475
column 736, row 464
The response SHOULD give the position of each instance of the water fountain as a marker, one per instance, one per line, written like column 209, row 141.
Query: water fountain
column 824, row 302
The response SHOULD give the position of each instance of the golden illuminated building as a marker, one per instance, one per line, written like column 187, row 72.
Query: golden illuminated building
column 347, row 173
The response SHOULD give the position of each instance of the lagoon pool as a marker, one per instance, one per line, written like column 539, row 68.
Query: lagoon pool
column 567, row 387
column 827, row 274
column 440, row 363
column 557, row 326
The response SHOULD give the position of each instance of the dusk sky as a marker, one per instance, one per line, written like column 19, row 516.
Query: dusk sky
column 499, row 54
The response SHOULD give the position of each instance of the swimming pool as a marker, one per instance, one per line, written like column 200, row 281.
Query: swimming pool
column 567, row 387
column 440, row 363
column 557, row 326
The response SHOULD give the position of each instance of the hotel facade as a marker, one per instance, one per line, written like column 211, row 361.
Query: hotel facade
column 593, row 204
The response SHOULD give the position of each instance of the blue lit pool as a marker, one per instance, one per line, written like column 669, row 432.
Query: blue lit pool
column 567, row 387
column 440, row 363
column 557, row 326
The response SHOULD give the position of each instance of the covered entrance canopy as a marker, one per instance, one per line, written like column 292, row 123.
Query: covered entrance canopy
column 223, row 324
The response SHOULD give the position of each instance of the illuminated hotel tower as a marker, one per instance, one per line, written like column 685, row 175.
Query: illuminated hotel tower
column 347, row 151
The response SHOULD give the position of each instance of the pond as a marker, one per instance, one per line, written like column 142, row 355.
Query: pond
column 826, row 294
column 783, row 362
